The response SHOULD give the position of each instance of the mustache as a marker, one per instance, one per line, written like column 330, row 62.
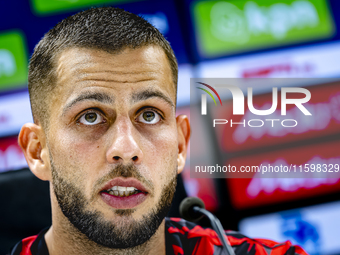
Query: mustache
column 126, row 171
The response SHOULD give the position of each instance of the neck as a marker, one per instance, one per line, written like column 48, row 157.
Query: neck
column 66, row 239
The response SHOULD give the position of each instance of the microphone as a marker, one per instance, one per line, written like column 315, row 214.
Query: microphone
column 193, row 209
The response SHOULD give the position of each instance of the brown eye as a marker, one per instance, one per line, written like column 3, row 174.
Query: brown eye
column 91, row 118
column 149, row 117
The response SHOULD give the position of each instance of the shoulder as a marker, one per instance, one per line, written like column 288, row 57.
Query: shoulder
column 24, row 246
column 33, row 245
column 261, row 246
column 183, row 237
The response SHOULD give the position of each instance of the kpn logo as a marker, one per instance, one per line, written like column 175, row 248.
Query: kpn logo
column 225, row 26
column 238, row 102
column 13, row 60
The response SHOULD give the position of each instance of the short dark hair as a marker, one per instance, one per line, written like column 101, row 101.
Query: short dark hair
column 105, row 28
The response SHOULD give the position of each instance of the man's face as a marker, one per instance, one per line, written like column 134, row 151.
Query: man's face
column 113, row 142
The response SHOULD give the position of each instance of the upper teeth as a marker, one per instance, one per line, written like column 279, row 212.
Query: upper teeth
column 122, row 191
column 120, row 188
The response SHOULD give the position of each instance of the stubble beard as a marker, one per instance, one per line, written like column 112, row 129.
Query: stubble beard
column 124, row 234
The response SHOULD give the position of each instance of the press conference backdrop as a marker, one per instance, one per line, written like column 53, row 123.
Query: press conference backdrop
column 220, row 39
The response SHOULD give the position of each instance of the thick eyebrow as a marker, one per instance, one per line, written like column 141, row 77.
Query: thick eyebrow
column 146, row 94
column 94, row 96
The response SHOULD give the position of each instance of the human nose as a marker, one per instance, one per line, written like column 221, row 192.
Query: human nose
column 125, row 145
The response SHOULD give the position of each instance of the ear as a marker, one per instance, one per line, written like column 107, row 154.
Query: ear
column 33, row 144
column 183, row 130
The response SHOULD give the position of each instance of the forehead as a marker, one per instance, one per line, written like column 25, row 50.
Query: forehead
column 79, row 70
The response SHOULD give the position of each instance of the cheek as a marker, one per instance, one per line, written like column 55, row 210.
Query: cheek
column 76, row 144
column 160, row 155
column 75, row 157
column 76, row 163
